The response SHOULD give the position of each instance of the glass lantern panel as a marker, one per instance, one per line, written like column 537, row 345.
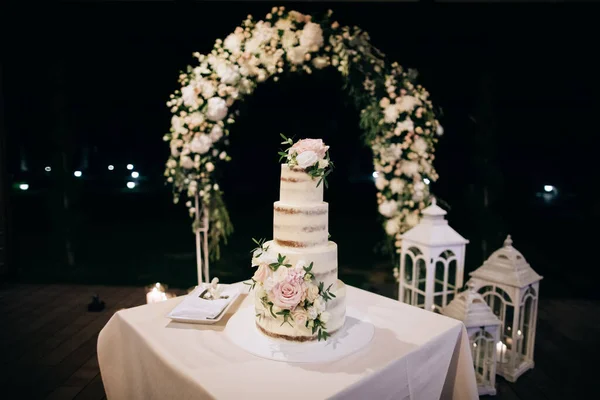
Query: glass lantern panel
column 420, row 300
column 408, row 296
column 440, row 270
column 525, row 326
column 507, row 328
column 408, row 269
column 452, row 274
column 421, row 274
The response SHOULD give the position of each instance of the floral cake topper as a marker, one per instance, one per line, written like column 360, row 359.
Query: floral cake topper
column 311, row 155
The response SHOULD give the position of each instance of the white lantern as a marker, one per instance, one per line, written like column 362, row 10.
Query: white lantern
column 511, row 288
column 432, row 259
column 483, row 329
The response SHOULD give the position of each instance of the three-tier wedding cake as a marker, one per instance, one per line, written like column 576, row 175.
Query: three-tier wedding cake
column 298, row 295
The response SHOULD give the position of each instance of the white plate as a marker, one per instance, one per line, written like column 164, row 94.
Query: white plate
column 356, row 334
column 196, row 292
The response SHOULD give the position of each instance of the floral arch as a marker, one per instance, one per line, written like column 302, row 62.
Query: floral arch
column 396, row 114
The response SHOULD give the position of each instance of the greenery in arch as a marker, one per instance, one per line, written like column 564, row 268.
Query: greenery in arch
column 396, row 114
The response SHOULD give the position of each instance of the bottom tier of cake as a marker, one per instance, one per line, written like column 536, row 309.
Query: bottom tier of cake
column 276, row 328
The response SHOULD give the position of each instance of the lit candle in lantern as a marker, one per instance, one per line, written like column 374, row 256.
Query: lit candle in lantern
column 500, row 352
column 156, row 294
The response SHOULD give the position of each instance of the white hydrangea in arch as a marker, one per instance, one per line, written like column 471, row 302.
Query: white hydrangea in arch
column 396, row 114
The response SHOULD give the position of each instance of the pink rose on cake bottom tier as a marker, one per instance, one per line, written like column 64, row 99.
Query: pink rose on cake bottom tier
column 287, row 295
column 315, row 145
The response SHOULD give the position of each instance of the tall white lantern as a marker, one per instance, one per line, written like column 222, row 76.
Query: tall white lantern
column 483, row 329
column 432, row 260
column 511, row 288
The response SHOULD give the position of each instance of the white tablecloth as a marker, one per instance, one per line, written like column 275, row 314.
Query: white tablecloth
column 414, row 354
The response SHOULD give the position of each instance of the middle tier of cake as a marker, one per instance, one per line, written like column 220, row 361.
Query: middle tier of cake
column 300, row 226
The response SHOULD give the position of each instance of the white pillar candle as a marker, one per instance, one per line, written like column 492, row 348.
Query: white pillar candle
column 500, row 352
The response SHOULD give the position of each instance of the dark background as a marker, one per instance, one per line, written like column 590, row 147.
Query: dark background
column 85, row 86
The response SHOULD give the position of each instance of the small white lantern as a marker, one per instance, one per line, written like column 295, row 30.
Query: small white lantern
column 432, row 260
column 511, row 288
column 483, row 329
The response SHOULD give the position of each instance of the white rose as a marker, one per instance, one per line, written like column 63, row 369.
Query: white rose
column 381, row 182
column 311, row 36
column 320, row 62
column 324, row 317
column 186, row 162
column 410, row 168
column 319, row 305
column 207, row 88
column 296, row 55
column 216, row 109
column 405, row 126
column 412, row 219
column 392, row 226
column 227, row 73
column 384, row 102
column 188, row 95
column 390, row 113
column 419, row 186
column 419, row 146
column 201, row 144
column 177, row 124
column 396, row 185
column 216, row 133
column 391, row 153
column 233, row 43
column 324, row 163
column 312, row 313
column 195, row 119
column 210, row 167
column 171, row 163
column 388, row 208
column 283, row 24
column 312, row 293
column 407, row 103
column 288, row 40
column 306, row 159
column 260, row 292
column 260, row 257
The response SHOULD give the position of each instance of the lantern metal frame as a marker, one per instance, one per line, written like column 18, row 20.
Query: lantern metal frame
column 510, row 287
column 432, row 259
column 483, row 330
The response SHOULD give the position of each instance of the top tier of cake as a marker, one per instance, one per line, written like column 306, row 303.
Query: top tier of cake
column 299, row 188
column 300, row 218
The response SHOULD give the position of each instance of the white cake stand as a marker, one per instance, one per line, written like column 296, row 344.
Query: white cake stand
column 356, row 333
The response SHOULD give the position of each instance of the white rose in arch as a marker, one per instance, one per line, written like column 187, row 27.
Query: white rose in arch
column 412, row 219
column 307, row 159
column 207, row 88
column 320, row 62
column 392, row 226
column 216, row 133
column 227, row 73
column 210, row 167
column 195, row 119
column 407, row 103
column 311, row 36
column 381, row 182
column 216, row 109
column 296, row 55
column 233, row 43
column 391, row 113
column 388, row 208
column 410, row 168
column 396, row 185
column 201, row 144
column 188, row 95
column 186, row 162
column 288, row 40
column 405, row 126
column 419, row 146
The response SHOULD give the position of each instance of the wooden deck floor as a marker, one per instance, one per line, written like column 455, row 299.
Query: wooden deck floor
column 48, row 344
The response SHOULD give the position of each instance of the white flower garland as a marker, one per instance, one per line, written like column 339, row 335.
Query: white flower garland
column 396, row 113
